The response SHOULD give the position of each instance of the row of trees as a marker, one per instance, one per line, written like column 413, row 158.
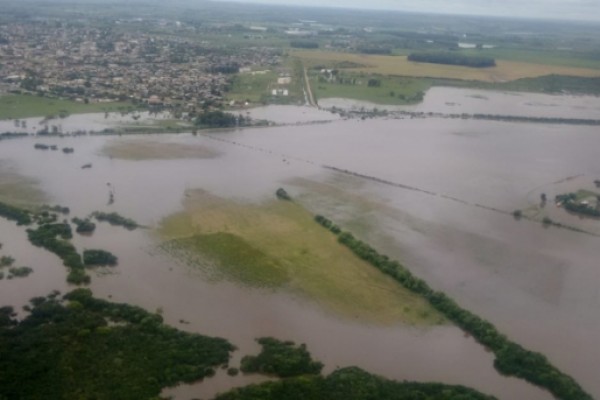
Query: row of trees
column 220, row 119
column 114, row 218
column 452, row 58
column 511, row 358
column 351, row 384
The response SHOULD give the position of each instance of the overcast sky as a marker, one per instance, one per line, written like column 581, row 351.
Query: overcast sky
column 557, row 9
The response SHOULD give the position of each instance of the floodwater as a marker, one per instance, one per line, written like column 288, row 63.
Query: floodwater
column 447, row 100
column 538, row 285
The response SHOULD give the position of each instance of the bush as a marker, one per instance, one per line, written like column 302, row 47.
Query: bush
column 99, row 257
column 282, row 359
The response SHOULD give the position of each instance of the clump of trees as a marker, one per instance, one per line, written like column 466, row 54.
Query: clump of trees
column 83, row 347
column 84, row 226
column 99, row 258
column 511, row 358
column 283, row 195
column 570, row 203
column 220, row 119
column 452, row 58
column 55, row 238
column 283, row 359
column 19, row 272
column 115, row 219
column 351, row 384
column 19, row 215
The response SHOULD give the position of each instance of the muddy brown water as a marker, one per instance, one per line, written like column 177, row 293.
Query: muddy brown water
column 539, row 286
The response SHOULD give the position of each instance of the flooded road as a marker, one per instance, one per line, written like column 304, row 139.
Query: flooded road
column 538, row 285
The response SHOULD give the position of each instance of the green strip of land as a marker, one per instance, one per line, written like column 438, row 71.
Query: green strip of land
column 15, row 106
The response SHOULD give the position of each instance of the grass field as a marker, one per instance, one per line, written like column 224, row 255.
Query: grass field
column 14, row 106
column 393, row 90
column 278, row 245
column 400, row 66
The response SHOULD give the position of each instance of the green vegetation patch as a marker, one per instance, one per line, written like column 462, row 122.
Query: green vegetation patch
column 99, row 258
column 236, row 258
column 373, row 88
column 23, row 106
column 115, row 219
column 253, row 87
column 86, row 348
column 277, row 245
column 282, row 359
column 583, row 202
column 351, row 384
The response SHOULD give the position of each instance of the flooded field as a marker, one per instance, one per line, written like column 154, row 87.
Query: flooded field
column 447, row 100
column 435, row 194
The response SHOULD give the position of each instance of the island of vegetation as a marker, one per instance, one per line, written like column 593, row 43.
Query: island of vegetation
column 583, row 202
column 452, row 58
column 282, row 359
column 6, row 262
column 511, row 358
column 84, row 226
column 99, row 258
column 115, row 219
column 55, row 238
column 83, row 347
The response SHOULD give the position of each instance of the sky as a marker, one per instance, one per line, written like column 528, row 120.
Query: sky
column 546, row 9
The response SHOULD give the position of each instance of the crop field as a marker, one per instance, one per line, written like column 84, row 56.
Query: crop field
column 277, row 245
column 400, row 66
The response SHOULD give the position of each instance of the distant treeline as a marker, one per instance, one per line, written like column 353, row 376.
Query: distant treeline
column 511, row 358
column 304, row 44
column 452, row 58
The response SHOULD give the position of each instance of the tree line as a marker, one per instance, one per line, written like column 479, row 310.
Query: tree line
column 453, row 58
column 511, row 358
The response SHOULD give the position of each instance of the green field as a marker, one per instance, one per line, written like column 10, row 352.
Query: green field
column 14, row 106
column 392, row 90
column 253, row 87
column 277, row 245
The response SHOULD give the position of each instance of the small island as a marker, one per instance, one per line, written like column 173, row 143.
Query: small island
column 582, row 202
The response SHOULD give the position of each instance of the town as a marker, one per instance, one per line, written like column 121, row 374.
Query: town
column 121, row 62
